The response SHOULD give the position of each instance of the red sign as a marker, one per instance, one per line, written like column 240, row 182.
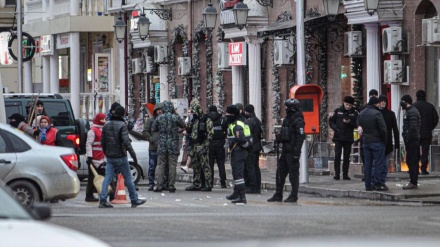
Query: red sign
column 237, row 53
column 228, row 4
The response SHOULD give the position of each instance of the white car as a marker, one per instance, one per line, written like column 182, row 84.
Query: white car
column 36, row 172
column 139, row 170
column 19, row 228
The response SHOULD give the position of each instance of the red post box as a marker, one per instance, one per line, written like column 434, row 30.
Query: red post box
column 310, row 98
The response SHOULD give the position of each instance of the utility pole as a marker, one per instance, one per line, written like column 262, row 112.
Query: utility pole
column 20, row 47
column 301, row 79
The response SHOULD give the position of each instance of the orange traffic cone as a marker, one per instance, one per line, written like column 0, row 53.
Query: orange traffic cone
column 120, row 194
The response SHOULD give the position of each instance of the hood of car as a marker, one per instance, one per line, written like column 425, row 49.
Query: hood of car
column 34, row 233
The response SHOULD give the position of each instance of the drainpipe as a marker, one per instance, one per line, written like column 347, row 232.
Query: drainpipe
column 190, row 41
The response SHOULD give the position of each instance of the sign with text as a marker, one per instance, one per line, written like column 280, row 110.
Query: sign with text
column 237, row 54
column 5, row 58
column 63, row 41
column 102, row 68
column 46, row 45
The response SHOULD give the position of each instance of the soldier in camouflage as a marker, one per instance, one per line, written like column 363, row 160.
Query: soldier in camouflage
column 167, row 125
column 201, row 134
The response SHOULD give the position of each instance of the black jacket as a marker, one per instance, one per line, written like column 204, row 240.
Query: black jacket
column 256, row 131
column 374, row 129
column 295, row 124
column 343, row 131
column 411, row 125
column 429, row 117
column 220, row 130
column 392, row 130
column 115, row 141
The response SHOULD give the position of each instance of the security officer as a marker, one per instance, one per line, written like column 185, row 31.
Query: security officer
column 343, row 122
column 239, row 141
column 292, row 137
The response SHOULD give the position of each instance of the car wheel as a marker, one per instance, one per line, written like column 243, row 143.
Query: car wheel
column 135, row 171
column 25, row 192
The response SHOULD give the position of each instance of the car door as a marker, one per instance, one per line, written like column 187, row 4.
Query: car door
column 8, row 157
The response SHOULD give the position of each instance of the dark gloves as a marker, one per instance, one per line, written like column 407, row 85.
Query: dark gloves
column 36, row 132
column 89, row 161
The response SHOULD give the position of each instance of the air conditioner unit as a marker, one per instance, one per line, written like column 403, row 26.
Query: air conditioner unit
column 184, row 66
column 283, row 52
column 392, row 40
column 431, row 31
column 353, row 43
column 136, row 65
column 160, row 54
column 149, row 66
column 393, row 71
column 223, row 55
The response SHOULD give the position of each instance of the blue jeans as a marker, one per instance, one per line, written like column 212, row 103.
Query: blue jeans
column 152, row 167
column 374, row 156
column 124, row 168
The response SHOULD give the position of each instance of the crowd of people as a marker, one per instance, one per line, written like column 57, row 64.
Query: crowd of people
column 207, row 134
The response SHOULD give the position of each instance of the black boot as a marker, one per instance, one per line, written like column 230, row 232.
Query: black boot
column 291, row 198
column 241, row 198
column 233, row 196
column 277, row 197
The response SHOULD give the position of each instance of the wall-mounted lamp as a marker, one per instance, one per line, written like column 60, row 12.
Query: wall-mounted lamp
column 164, row 14
column 120, row 29
column 241, row 12
column 143, row 26
column 331, row 8
column 265, row 3
column 209, row 16
column 371, row 6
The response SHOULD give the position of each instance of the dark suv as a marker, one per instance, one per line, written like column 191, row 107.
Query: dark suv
column 73, row 131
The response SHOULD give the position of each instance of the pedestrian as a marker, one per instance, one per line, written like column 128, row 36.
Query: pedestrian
column 111, row 110
column 47, row 134
column 186, row 145
column 292, row 137
column 217, row 145
column 37, row 113
column 17, row 120
column 201, row 135
column 392, row 131
column 152, row 138
column 95, row 154
column 429, row 120
column 167, row 125
column 150, row 106
column 343, row 123
column 374, row 138
column 411, row 138
column 239, row 142
column 252, row 173
column 241, row 109
column 115, row 144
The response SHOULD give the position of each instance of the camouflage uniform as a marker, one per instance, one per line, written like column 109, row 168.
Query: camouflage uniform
column 167, row 125
column 201, row 134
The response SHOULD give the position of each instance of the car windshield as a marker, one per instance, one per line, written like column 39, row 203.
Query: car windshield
column 10, row 208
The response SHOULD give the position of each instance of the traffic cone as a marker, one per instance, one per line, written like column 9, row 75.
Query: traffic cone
column 120, row 194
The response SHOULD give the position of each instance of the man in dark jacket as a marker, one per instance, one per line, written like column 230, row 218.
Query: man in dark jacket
column 152, row 137
column 429, row 119
column 343, row 123
column 292, row 137
column 167, row 125
column 374, row 137
column 411, row 137
column 115, row 144
column 217, row 145
column 392, row 131
column 252, row 175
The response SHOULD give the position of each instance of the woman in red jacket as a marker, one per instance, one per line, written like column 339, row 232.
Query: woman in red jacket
column 48, row 135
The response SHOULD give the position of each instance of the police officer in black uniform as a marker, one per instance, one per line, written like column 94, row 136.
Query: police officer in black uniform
column 239, row 141
column 252, row 174
column 217, row 145
column 292, row 137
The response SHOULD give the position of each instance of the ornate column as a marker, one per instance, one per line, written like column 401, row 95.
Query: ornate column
column 46, row 74
column 54, row 80
column 254, row 49
column 237, row 85
column 373, row 57
column 163, row 75
column 75, row 79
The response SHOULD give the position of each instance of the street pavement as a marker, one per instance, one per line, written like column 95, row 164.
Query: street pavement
column 322, row 183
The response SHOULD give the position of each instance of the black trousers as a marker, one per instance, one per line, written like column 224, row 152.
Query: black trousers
column 90, row 187
column 217, row 154
column 252, row 173
column 412, row 160
column 238, row 157
column 339, row 146
column 287, row 165
column 424, row 157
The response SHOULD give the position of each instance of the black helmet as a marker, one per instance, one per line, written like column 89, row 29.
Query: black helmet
column 292, row 104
